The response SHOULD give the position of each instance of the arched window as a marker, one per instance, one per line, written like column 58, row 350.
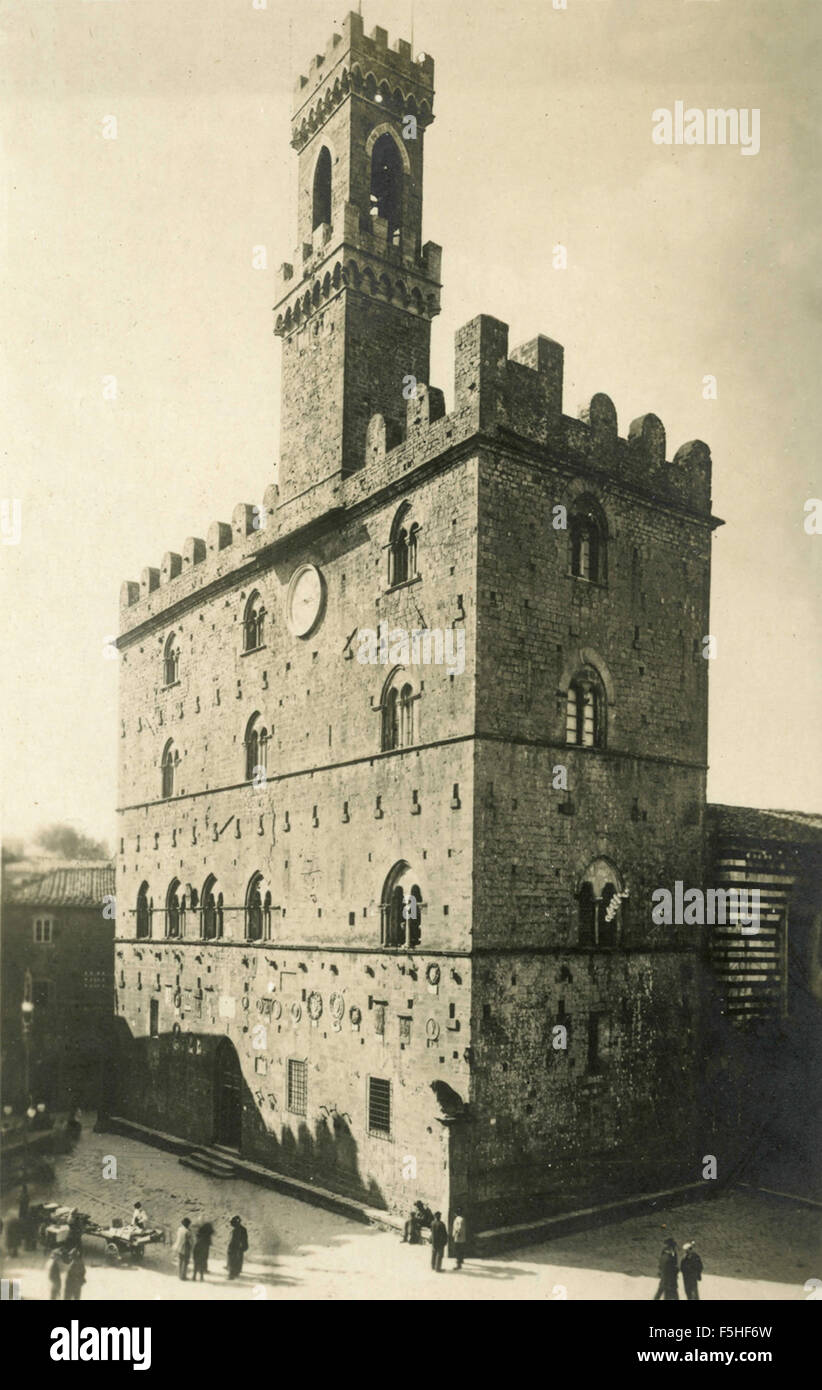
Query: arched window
column 171, row 660
column 322, row 189
column 600, row 899
column 402, row 547
column 256, row 747
column 386, row 184
column 174, row 912
column 401, row 908
column 586, row 710
column 399, row 702
column 144, row 906
column 211, row 911
column 257, row 910
column 588, row 543
column 169, row 764
column 253, row 619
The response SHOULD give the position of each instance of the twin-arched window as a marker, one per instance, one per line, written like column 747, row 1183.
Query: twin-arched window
column 253, row 621
column 145, row 907
column 175, row 909
column 403, row 547
column 256, row 748
column 588, row 532
column 211, row 911
column 600, row 898
column 171, row 660
column 585, row 721
column 168, row 767
column 401, row 909
column 257, row 910
column 398, row 713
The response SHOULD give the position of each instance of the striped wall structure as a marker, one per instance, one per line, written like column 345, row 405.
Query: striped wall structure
column 777, row 854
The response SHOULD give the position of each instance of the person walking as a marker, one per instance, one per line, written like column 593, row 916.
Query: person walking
column 237, row 1246
column 27, row 1224
column 182, row 1247
column 200, row 1252
column 14, row 1235
column 75, row 1277
column 668, row 1271
column 439, row 1240
column 459, row 1237
column 691, row 1270
column 54, row 1269
column 76, row 1226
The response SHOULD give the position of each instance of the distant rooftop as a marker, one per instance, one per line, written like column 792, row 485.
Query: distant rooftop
column 60, row 883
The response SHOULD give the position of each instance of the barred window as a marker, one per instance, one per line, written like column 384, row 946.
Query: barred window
column 379, row 1106
column 94, row 979
column 297, row 1083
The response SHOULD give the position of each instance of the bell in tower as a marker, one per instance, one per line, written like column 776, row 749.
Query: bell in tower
column 355, row 308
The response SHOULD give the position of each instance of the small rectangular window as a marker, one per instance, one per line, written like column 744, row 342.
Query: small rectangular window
column 42, row 930
column 379, row 1106
column 297, row 1086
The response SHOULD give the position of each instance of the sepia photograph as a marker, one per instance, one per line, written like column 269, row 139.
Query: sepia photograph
column 412, row 735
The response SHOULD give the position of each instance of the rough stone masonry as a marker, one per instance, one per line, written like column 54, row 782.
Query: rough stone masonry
column 389, row 930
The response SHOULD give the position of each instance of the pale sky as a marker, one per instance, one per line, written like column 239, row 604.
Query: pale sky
column 132, row 258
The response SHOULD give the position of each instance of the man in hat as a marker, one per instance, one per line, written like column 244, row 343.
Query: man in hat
column 439, row 1240
column 668, row 1271
column 182, row 1247
column 237, row 1246
column 691, row 1270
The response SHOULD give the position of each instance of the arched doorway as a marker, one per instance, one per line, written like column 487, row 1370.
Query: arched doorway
column 228, row 1096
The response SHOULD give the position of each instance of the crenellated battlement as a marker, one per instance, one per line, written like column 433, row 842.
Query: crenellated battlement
column 366, row 64
column 226, row 547
column 413, row 282
column 514, row 398
column 517, row 396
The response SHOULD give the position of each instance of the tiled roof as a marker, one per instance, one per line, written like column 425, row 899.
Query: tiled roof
column 83, row 883
column 751, row 823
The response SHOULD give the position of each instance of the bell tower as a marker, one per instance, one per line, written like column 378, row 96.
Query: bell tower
column 355, row 308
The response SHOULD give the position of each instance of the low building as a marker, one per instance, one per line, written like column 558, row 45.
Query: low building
column 58, row 953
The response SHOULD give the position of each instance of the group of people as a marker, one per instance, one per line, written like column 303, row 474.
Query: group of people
column 421, row 1216
column 670, row 1267
column 75, row 1273
column 194, row 1247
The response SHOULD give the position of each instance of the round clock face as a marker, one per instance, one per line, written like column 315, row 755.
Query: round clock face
column 304, row 602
